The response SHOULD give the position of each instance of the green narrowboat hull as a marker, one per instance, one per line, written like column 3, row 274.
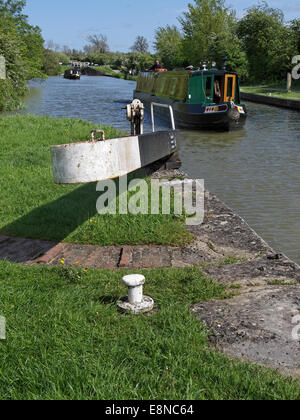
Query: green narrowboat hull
column 194, row 117
column 193, row 104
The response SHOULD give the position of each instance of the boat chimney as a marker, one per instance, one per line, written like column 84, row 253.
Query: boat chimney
column 225, row 62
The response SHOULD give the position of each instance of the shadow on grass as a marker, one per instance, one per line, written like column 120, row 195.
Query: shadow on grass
column 73, row 218
column 108, row 300
column 49, row 225
column 56, row 220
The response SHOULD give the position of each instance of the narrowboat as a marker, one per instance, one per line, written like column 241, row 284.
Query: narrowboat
column 72, row 74
column 201, row 99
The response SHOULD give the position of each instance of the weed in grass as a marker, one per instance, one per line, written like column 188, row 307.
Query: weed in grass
column 281, row 283
column 235, row 286
column 72, row 274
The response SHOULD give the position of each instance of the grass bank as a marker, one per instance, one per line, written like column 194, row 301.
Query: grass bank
column 33, row 206
column 267, row 91
column 117, row 74
column 67, row 340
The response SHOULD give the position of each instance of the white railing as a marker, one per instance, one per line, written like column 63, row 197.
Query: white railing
column 153, row 104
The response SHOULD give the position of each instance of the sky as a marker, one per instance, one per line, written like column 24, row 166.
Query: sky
column 70, row 22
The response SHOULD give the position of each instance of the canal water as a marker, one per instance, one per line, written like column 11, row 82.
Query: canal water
column 255, row 171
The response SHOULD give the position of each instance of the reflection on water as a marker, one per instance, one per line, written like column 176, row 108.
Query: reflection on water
column 96, row 99
column 255, row 171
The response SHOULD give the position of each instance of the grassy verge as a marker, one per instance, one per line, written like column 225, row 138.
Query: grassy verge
column 271, row 92
column 33, row 206
column 110, row 72
column 67, row 340
column 282, row 85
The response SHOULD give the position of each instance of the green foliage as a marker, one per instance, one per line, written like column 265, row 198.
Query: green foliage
column 12, row 8
column 168, row 44
column 207, row 26
column 133, row 60
column 295, row 28
column 259, row 47
column 14, row 86
column 208, row 34
column 50, row 63
column 139, row 61
column 268, row 43
column 21, row 45
column 231, row 47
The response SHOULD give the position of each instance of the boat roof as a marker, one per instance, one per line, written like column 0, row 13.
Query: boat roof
column 197, row 72
column 215, row 72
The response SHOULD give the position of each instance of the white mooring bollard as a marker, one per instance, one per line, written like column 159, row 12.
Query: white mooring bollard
column 135, row 302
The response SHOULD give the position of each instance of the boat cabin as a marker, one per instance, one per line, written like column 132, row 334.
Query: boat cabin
column 205, row 87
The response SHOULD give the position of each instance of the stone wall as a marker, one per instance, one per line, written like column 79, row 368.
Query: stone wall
column 271, row 100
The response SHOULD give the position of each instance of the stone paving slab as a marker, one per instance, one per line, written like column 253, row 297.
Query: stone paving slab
column 262, row 271
column 257, row 326
column 20, row 250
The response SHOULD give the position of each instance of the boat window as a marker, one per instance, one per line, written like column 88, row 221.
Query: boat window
column 229, row 87
column 173, row 86
column 230, row 82
column 163, row 85
column 208, row 87
column 218, row 89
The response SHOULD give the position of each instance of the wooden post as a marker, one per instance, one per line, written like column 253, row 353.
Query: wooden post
column 2, row 68
column 289, row 82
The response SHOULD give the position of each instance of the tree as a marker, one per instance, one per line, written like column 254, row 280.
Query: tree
column 268, row 42
column 66, row 50
column 168, row 45
column 206, row 26
column 50, row 63
column 13, row 8
column 22, row 46
column 14, row 86
column 98, row 44
column 51, row 45
column 138, row 61
column 295, row 28
column 141, row 45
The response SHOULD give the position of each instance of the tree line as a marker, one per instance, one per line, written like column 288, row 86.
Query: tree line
column 259, row 46
column 22, row 46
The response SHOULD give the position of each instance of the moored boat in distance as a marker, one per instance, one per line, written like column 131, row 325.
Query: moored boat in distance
column 201, row 99
column 72, row 74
